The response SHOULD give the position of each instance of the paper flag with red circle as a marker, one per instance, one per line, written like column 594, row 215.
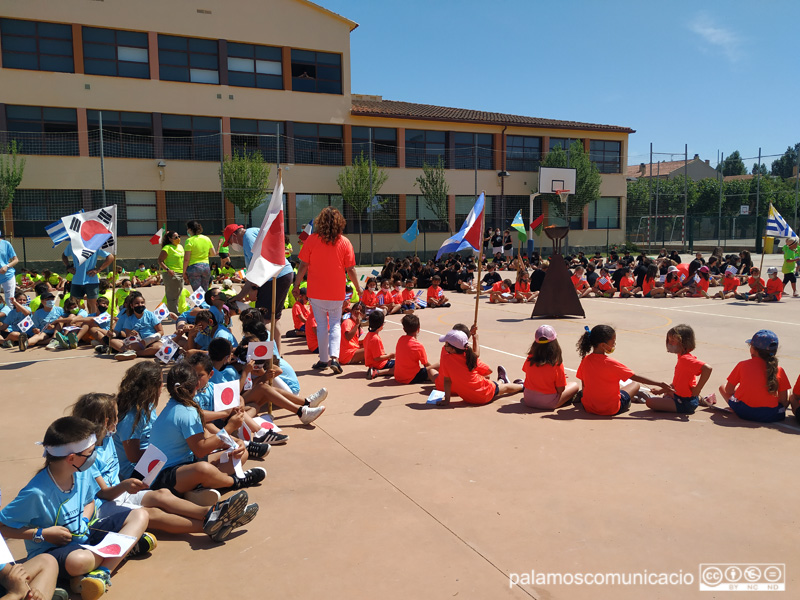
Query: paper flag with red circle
column 113, row 545
column 133, row 338
column 259, row 351
column 244, row 433
column 248, row 383
column 266, row 423
column 161, row 312
column 167, row 352
column 151, row 463
column 102, row 318
column 25, row 324
column 5, row 553
column 226, row 395
column 198, row 296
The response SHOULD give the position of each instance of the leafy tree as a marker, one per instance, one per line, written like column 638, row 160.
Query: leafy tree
column 756, row 169
column 733, row 165
column 354, row 184
column 245, row 180
column 587, row 180
column 784, row 166
column 11, row 169
column 434, row 188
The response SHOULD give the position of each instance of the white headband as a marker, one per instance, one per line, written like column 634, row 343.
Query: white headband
column 71, row 448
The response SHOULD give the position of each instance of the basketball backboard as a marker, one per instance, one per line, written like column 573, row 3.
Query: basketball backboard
column 552, row 179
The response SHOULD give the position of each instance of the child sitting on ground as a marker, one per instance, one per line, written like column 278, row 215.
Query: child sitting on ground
column 604, row 288
column 43, row 329
column 300, row 313
column 435, row 294
column 756, row 283
column 729, row 284
column 500, row 292
column 386, row 298
column 411, row 361
column 375, row 357
column 545, row 385
column 774, row 289
column 350, row 350
column 409, row 298
column 522, row 289
column 580, row 283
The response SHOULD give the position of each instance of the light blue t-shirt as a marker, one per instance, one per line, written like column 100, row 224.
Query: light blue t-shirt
column 205, row 397
column 126, row 431
column 4, row 310
column 81, row 277
column 108, row 465
column 6, row 254
column 13, row 319
column 248, row 241
column 202, row 341
column 172, row 428
column 189, row 317
column 145, row 325
column 42, row 318
column 43, row 504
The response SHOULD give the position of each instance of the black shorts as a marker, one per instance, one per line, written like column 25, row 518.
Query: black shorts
column 420, row 377
column 789, row 278
column 167, row 478
column 97, row 532
column 624, row 402
column 264, row 298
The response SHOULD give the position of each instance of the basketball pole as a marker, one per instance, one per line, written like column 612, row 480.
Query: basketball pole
column 480, row 262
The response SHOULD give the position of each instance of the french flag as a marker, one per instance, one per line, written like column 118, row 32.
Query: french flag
column 471, row 233
column 268, row 250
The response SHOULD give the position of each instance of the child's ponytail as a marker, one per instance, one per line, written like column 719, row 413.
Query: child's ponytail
column 591, row 338
column 772, row 369
column 472, row 358
column 182, row 385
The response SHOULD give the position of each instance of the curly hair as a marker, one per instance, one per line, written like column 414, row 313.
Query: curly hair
column 329, row 225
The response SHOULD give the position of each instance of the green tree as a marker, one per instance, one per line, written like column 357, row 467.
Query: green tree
column 354, row 184
column 433, row 185
column 587, row 180
column 732, row 165
column 784, row 166
column 12, row 167
column 245, row 181
column 756, row 169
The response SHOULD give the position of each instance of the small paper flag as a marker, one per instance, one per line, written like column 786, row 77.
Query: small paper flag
column 161, row 312
column 102, row 318
column 5, row 553
column 25, row 324
column 167, row 352
column 226, row 395
column 435, row 397
column 113, row 545
column 198, row 296
column 151, row 463
column 259, row 351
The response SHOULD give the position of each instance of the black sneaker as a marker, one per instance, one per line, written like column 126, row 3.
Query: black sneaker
column 336, row 367
column 146, row 544
column 251, row 477
column 257, row 449
column 446, row 305
column 101, row 349
column 248, row 515
column 576, row 399
column 222, row 514
column 272, row 438
column 22, row 343
column 319, row 366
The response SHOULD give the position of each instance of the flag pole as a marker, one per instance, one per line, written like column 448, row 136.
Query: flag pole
column 761, row 266
column 273, row 361
column 113, row 298
column 480, row 262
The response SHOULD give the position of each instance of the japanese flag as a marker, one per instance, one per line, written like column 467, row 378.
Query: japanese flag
column 113, row 545
column 158, row 237
column 226, row 395
column 161, row 312
column 268, row 249
column 244, row 433
column 91, row 231
column 167, row 352
column 198, row 296
column 25, row 324
column 266, row 423
column 151, row 463
column 259, row 351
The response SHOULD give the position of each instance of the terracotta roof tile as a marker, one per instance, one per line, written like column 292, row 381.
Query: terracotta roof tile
column 409, row 110
column 659, row 169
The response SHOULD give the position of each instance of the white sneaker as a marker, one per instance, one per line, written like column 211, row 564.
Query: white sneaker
column 315, row 399
column 202, row 496
column 127, row 355
column 309, row 415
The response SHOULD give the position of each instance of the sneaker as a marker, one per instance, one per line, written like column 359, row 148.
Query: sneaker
column 60, row 594
column 759, row 296
column 309, row 415
column 315, row 399
column 519, row 382
column 93, row 585
column 72, row 340
column 273, row 438
column 202, row 496
column 336, row 367
column 94, row 343
column 576, row 399
column 372, row 373
column 248, row 515
column 319, row 366
column 146, row 544
column 101, row 349
column 8, row 344
column 642, row 397
column 251, row 477
column 222, row 514
column 127, row 355
column 501, row 374
column 22, row 343
column 258, row 449
column 63, row 341
column 53, row 344
column 446, row 305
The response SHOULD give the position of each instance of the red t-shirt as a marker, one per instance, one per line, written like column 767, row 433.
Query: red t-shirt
column 348, row 348
column 326, row 266
column 300, row 314
column 578, row 283
column 604, row 284
column 702, row 284
column 435, row 291
column 472, row 386
column 673, row 284
column 439, row 383
column 601, row 376
column 545, row 378
column 648, row 283
column 796, row 389
column 627, row 282
column 373, row 348
column 730, row 284
column 687, row 369
column 756, row 285
column 410, row 355
column 523, row 287
column 369, row 298
column 775, row 286
column 397, row 296
column 751, row 378
column 408, row 296
column 387, row 296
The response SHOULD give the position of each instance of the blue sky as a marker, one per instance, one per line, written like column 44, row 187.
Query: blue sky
column 718, row 76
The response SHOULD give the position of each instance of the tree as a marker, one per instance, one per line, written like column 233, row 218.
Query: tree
column 755, row 170
column 784, row 166
column 433, row 185
column 11, row 170
column 587, row 180
column 732, row 165
column 354, row 184
column 245, row 181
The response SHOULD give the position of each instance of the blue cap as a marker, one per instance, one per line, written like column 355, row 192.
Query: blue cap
column 764, row 339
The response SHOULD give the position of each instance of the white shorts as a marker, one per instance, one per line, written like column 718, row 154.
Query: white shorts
column 125, row 500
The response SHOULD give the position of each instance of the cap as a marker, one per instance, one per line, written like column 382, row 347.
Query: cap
column 48, row 295
column 545, row 334
column 672, row 269
column 772, row 270
column 703, row 269
column 227, row 283
column 791, row 241
column 457, row 339
column 229, row 231
column 764, row 339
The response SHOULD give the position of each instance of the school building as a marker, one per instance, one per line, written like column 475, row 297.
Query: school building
column 137, row 103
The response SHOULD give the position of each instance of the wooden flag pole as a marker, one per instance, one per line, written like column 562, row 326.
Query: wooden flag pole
column 761, row 267
column 113, row 300
column 274, row 360
column 480, row 262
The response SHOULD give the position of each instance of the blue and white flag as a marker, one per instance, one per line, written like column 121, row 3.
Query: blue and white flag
column 57, row 232
column 411, row 234
column 457, row 242
column 777, row 226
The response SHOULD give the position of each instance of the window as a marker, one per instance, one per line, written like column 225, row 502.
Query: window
column 255, row 66
column 523, row 153
column 42, row 130
column 136, row 211
column 465, row 150
column 417, row 209
column 191, row 138
column 384, row 145
column 37, row 46
column 125, row 134
column 250, row 135
column 255, row 218
column 425, row 147
column 384, row 216
column 563, row 143
column 604, row 213
column 115, row 53
column 464, row 204
column 308, row 206
column 188, row 59
column 605, row 155
column 205, row 207
column 318, row 144
column 33, row 210
column 319, row 72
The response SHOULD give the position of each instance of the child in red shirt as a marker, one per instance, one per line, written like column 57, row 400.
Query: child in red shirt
column 627, row 285
column 386, row 298
column 350, row 350
column 375, row 356
column 370, row 297
column 498, row 289
column 701, row 282
column 756, row 284
column 684, row 397
column 522, row 290
column 601, row 375
column 546, row 384
column 411, row 361
column 300, row 313
column 774, row 287
column 672, row 283
column 604, row 288
column 436, row 297
column 311, row 332
column 582, row 286
column 729, row 284
column 409, row 298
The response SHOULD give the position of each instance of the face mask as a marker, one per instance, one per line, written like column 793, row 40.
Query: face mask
column 75, row 311
column 101, row 309
column 49, row 303
column 138, row 309
column 611, row 350
column 208, row 330
column 87, row 464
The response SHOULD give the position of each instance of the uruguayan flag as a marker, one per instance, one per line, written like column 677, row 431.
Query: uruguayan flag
column 776, row 226
column 57, row 232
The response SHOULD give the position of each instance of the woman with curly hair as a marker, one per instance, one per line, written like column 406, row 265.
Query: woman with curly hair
column 326, row 256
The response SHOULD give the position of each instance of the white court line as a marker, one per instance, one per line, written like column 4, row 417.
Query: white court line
column 19, row 362
column 705, row 314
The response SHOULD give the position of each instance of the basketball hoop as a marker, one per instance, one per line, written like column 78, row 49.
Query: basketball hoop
column 562, row 194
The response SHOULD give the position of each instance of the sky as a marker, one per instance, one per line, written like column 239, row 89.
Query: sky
column 718, row 76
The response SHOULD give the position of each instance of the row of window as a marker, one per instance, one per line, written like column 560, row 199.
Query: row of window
column 38, row 46
column 136, row 211
column 184, row 137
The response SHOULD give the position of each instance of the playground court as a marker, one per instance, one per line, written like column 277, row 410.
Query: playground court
column 386, row 497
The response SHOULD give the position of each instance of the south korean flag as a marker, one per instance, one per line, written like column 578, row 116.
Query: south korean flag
column 92, row 231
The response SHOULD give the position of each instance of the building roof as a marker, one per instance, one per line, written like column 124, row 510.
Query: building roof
column 375, row 106
column 660, row 169
column 352, row 24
